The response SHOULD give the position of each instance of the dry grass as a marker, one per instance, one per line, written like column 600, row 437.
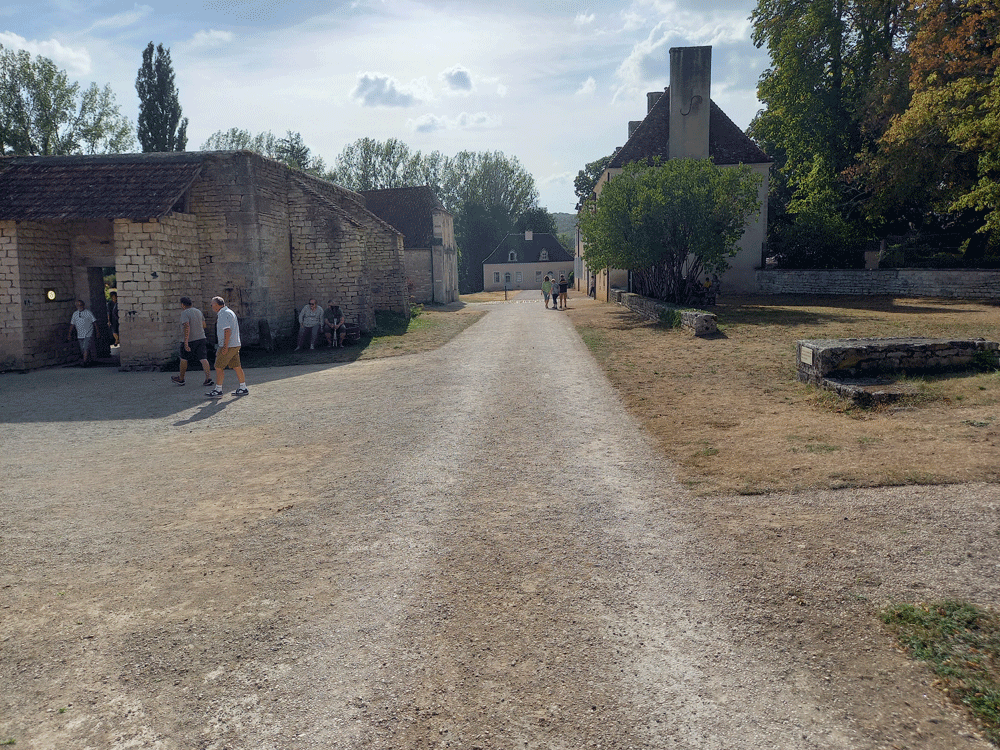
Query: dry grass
column 731, row 415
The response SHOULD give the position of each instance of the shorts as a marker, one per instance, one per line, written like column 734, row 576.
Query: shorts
column 199, row 350
column 85, row 344
column 231, row 358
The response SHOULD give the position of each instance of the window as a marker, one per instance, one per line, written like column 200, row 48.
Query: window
column 512, row 257
column 520, row 278
column 544, row 255
column 506, row 278
column 496, row 277
column 538, row 277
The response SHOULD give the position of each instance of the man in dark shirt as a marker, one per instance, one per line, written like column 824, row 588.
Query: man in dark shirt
column 333, row 325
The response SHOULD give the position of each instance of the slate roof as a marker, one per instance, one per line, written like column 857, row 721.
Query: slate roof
column 528, row 250
column 727, row 144
column 119, row 186
column 409, row 209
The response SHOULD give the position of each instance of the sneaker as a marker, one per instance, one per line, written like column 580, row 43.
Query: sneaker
column 241, row 392
column 214, row 393
column 208, row 383
column 178, row 380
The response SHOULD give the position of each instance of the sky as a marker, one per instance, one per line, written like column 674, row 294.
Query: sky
column 549, row 82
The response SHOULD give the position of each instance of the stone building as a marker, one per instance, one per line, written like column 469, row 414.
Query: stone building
column 428, row 229
column 523, row 261
column 234, row 224
column 682, row 122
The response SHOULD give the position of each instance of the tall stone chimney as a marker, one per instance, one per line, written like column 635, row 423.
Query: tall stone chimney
column 690, row 94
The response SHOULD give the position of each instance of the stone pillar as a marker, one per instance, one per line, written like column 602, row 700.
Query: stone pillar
column 690, row 97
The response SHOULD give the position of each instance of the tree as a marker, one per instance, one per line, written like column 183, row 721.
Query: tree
column 586, row 179
column 833, row 85
column 43, row 113
column 669, row 223
column 538, row 220
column 943, row 152
column 368, row 164
column 160, row 126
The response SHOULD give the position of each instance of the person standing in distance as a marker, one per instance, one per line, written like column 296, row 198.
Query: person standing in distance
column 227, row 331
column 86, row 331
column 194, row 348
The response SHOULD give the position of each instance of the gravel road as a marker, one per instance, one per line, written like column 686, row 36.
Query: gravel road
column 470, row 548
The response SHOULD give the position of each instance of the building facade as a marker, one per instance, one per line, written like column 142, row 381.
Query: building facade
column 233, row 224
column 523, row 261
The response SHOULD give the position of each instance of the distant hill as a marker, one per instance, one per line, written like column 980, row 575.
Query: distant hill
column 565, row 223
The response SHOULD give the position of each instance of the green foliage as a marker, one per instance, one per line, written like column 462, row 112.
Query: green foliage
column 817, row 239
column 536, row 219
column 160, row 126
column 670, row 317
column 42, row 113
column 586, row 179
column 670, row 223
column 961, row 643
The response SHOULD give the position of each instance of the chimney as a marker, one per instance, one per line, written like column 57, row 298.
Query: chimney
column 528, row 235
column 690, row 94
column 652, row 97
column 632, row 125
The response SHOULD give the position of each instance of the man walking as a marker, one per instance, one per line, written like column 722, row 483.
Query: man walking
column 227, row 331
column 85, row 323
column 194, row 347
column 311, row 322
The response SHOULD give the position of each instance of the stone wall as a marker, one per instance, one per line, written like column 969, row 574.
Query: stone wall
column 36, row 256
column 819, row 359
column 699, row 322
column 156, row 263
column 897, row 282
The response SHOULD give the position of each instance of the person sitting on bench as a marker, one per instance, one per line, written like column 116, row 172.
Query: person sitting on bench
column 333, row 325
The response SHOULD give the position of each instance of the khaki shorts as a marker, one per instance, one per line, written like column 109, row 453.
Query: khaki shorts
column 230, row 359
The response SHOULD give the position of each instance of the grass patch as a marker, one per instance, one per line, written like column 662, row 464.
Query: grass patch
column 961, row 644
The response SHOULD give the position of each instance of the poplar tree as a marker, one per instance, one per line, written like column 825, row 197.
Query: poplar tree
column 160, row 126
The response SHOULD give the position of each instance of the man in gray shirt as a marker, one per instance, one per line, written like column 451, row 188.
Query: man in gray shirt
column 194, row 346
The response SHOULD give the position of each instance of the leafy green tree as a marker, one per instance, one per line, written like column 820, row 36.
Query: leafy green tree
column 43, row 113
column 670, row 223
column 537, row 220
column 586, row 179
column 160, row 126
column 368, row 164
column 832, row 88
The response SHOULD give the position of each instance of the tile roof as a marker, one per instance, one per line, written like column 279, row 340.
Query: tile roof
column 727, row 144
column 410, row 210
column 120, row 186
column 528, row 250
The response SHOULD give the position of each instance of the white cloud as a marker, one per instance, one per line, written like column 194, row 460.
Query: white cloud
column 587, row 87
column 431, row 123
column 211, row 38
column 76, row 62
column 457, row 80
column 123, row 20
column 381, row 90
column 584, row 19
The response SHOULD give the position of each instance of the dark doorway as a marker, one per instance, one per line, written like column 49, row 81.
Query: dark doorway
column 98, row 289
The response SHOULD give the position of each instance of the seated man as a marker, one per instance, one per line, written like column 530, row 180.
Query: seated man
column 333, row 325
column 310, row 323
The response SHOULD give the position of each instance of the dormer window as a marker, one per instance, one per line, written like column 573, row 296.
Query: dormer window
column 513, row 257
column 544, row 255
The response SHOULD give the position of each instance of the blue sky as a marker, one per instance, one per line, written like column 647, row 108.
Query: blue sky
column 552, row 83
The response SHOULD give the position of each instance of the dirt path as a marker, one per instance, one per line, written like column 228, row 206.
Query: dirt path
column 474, row 547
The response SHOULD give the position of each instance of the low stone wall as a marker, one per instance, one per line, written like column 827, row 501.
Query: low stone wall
column 897, row 282
column 821, row 359
column 699, row 322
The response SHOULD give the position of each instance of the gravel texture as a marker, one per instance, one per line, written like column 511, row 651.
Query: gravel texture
column 475, row 547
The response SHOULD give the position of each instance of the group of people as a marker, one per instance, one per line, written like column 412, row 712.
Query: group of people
column 313, row 320
column 557, row 290
column 194, row 347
